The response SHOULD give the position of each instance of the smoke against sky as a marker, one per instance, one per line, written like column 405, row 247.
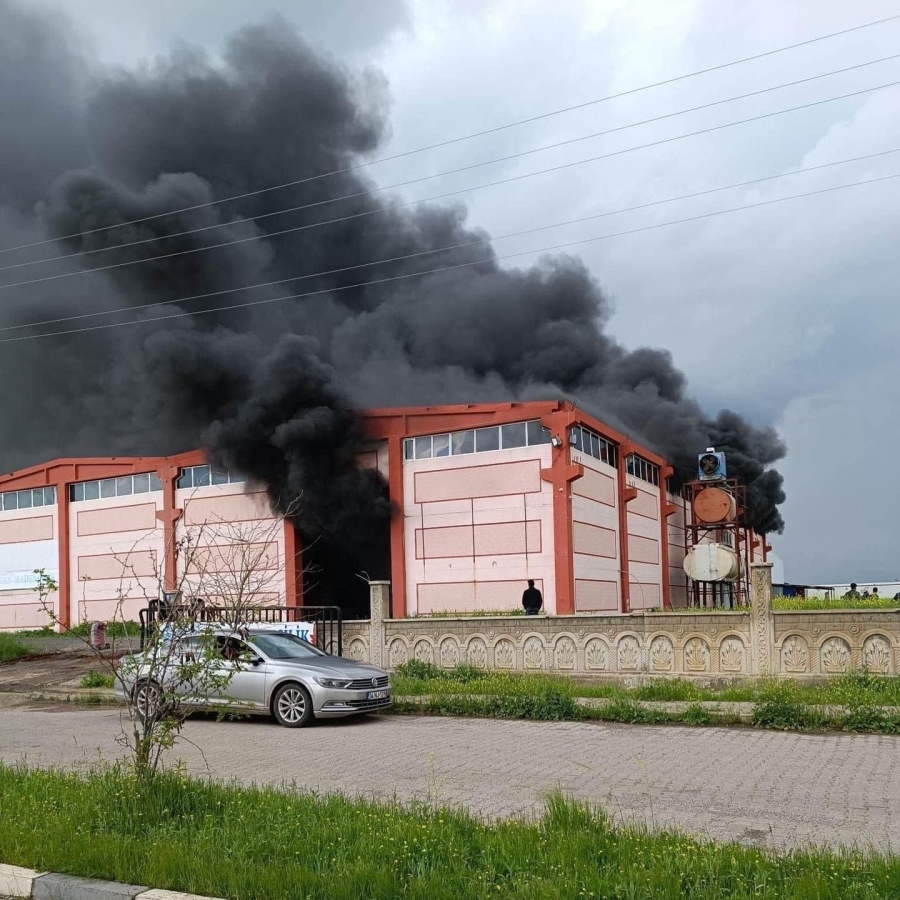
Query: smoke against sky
column 268, row 390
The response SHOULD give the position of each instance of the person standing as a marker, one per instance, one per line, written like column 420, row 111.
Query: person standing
column 532, row 601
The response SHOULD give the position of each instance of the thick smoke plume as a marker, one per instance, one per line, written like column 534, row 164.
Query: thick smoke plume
column 270, row 390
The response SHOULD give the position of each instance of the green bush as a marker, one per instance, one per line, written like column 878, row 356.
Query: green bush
column 424, row 671
column 464, row 674
column 97, row 680
column 551, row 704
column 631, row 713
column 696, row 715
column 10, row 648
column 780, row 706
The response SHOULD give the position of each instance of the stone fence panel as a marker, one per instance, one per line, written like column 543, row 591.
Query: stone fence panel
column 752, row 642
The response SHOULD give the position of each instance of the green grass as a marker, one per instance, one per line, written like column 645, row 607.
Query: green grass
column 261, row 843
column 417, row 679
column 781, row 704
column 782, row 603
column 11, row 648
column 97, row 680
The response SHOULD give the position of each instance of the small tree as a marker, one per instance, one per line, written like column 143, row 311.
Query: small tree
column 231, row 566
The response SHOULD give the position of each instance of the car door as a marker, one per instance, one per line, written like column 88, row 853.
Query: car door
column 242, row 674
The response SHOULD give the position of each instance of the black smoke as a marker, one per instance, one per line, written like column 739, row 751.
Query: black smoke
column 271, row 389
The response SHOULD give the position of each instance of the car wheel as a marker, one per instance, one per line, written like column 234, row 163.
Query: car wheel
column 292, row 706
column 146, row 700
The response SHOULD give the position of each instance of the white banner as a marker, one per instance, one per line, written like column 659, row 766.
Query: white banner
column 24, row 581
column 306, row 631
column 303, row 630
column 18, row 562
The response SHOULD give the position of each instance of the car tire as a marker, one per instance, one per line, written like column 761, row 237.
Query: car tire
column 146, row 699
column 292, row 706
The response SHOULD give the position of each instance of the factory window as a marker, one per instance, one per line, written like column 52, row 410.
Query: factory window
column 480, row 440
column 487, row 439
column 123, row 486
column 441, row 445
column 641, row 468
column 592, row 444
column 45, row 496
column 515, row 435
column 202, row 476
column 462, row 442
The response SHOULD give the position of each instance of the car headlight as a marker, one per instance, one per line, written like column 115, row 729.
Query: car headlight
column 334, row 682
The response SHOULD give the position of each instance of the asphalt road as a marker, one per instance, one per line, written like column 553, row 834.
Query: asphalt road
column 759, row 787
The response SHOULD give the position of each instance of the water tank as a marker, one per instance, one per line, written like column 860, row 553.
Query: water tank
column 713, row 504
column 711, row 562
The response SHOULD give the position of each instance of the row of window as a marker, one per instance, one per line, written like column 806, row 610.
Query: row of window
column 126, row 485
column 202, row 476
column 587, row 441
column 641, row 468
column 123, row 486
column 518, row 434
column 478, row 440
column 26, row 499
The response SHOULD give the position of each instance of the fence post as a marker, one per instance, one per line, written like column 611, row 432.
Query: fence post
column 380, row 605
column 762, row 626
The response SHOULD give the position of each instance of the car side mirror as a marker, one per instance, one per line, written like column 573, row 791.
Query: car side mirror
column 256, row 661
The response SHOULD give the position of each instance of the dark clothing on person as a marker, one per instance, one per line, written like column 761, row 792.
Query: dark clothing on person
column 532, row 601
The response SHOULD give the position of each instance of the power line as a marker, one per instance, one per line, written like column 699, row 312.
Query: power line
column 514, row 178
column 457, row 246
column 447, row 268
column 471, row 136
column 466, row 168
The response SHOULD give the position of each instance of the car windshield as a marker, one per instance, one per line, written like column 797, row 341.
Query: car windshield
column 284, row 646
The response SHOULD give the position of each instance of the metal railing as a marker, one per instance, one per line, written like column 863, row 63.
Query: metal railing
column 326, row 620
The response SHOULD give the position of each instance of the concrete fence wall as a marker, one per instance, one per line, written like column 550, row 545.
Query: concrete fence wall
column 725, row 644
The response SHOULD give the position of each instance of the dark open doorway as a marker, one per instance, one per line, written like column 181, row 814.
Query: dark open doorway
column 334, row 573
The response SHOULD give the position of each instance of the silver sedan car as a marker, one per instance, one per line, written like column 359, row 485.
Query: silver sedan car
column 260, row 672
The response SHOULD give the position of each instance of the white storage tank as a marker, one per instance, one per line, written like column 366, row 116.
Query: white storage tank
column 712, row 562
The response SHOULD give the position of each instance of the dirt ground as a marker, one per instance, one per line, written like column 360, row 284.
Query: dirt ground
column 48, row 671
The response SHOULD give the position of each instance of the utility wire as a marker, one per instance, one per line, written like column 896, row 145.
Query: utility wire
column 471, row 136
column 487, row 260
column 457, row 246
column 466, row 168
column 297, row 228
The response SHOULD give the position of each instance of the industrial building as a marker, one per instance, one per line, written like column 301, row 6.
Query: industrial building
column 486, row 496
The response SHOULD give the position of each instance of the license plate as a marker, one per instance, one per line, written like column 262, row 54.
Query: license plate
column 376, row 695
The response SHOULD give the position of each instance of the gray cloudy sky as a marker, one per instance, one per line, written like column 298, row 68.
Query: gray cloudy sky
column 785, row 313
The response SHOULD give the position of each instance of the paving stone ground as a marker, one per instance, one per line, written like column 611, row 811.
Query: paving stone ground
column 759, row 787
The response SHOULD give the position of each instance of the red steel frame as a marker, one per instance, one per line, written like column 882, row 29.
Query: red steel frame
column 392, row 426
column 395, row 425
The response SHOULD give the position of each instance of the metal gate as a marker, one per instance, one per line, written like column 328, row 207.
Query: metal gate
column 326, row 620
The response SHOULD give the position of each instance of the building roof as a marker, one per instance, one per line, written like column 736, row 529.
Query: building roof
column 379, row 424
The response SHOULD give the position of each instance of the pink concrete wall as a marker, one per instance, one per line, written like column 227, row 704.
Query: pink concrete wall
column 476, row 528
column 595, row 536
column 233, row 533
column 116, row 553
column 644, row 551
column 678, row 580
column 28, row 541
